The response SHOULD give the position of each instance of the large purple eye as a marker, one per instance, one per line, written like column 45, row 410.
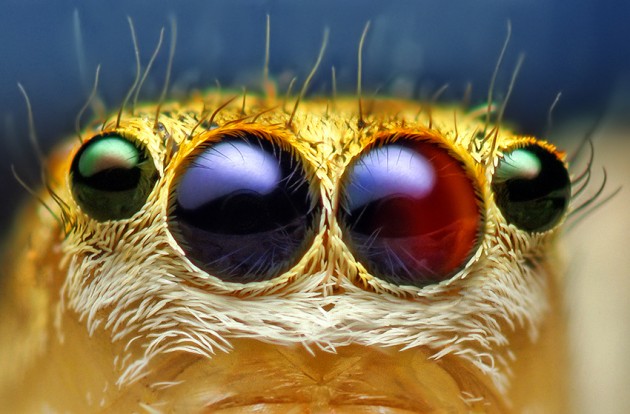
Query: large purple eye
column 410, row 212
column 243, row 210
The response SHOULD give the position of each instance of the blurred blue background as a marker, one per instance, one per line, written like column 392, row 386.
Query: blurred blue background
column 579, row 48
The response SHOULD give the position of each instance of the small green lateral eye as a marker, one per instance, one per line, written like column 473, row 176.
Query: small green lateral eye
column 111, row 177
column 532, row 188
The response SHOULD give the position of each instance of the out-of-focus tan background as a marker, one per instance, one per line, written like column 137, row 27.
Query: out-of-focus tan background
column 598, row 286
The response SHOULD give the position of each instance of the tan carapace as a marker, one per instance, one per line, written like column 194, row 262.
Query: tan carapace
column 119, row 311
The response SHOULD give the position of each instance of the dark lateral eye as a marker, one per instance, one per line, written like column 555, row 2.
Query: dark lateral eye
column 411, row 213
column 111, row 177
column 243, row 210
column 532, row 188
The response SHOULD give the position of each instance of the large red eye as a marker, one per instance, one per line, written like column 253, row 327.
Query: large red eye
column 410, row 212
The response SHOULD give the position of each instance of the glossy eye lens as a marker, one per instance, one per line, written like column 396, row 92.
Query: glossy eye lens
column 411, row 213
column 532, row 188
column 111, row 177
column 243, row 210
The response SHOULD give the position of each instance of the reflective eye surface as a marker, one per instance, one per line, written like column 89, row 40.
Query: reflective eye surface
column 111, row 177
column 243, row 209
column 532, row 188
column 411, row 213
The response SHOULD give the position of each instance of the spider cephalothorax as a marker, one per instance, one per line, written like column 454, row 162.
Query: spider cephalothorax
column 231, row 255
column 400, row 236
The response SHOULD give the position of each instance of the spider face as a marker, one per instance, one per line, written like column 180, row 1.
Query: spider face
column 320, row 260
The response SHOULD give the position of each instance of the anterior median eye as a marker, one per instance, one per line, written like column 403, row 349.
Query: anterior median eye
column 111, row 177
column 411, row 212
column 243, row 210
column 532, row 188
